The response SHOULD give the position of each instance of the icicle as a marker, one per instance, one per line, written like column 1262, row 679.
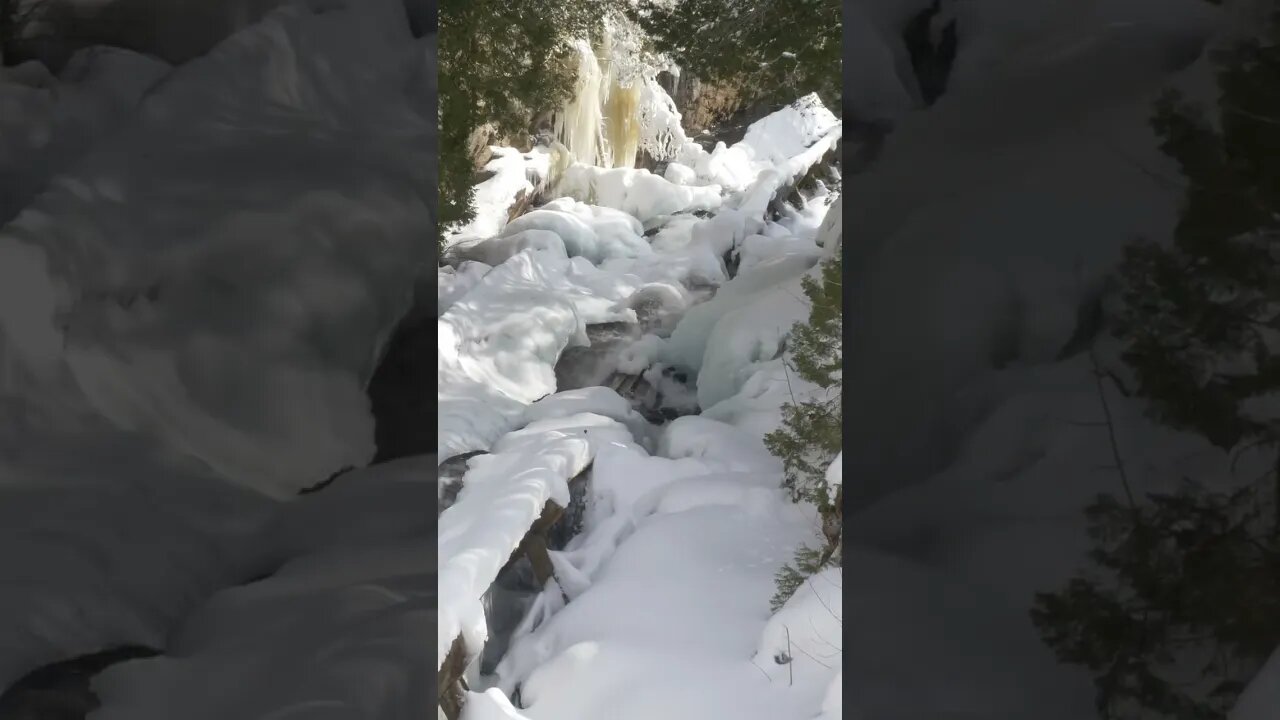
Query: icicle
column 577, row 126
column 618, row 108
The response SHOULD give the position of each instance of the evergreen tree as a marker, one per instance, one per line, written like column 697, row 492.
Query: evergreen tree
column 1188, row 607
column 501, row 63
column 774, row 50
column 809, row 438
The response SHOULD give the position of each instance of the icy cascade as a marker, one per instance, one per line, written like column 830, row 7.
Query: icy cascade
column 618, row 108
column 633, row 249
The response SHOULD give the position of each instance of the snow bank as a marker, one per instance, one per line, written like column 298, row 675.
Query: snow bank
column 47, row 123
column 220, row 273
column 590, row 231
column 502, row 495
column 452, row 283
column 639, row 629
column 776, row 145
column 498, row 345
column 343, row 623
column 639, row 193
column 595, row 400
column 770, row 287
column 748, row 335
column 105, row 542
column 344, row 631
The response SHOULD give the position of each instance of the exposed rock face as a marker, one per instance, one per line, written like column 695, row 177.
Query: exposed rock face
column 702, row 105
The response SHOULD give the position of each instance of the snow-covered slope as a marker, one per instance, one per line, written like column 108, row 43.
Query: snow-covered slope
column 990, row 217
column 48, row 123
column 973, row 445
column 188, row 314
column 221, row 273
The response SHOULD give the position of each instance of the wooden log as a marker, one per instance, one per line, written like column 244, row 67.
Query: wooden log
column 450, row 680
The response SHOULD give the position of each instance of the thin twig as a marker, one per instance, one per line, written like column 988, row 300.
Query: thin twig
column 790, row 658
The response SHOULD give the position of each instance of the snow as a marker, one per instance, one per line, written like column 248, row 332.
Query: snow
column 948, row 569
column 47, row 123
column 88, row 521
column 684, row 526
column 514, row 174
column 454, row 282
column 1260, row 700
column 341, row 624
column 593, row 232
column 640, row 630
column 502, row 495
column 763, row 285
column 806, row 634
column 835, row 477
column 989, row 219
column 499, row 343
column 638, row 193
column 197, row 268
column 639, row 355
column 146, row 275
column 599, row 401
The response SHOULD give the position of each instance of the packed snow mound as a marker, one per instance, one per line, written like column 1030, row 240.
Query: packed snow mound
column 499, row 343
column 344, row 623
column 595, row 400
column 106, row 542
column 780, row 136
column 47, row 123
column 220, row 273
column 454, row 282
column 777, row 141
column 362, row 507
column 593, row 232
column 746, row 336
column 502, row 494
column 638, row 193
column 771, row 286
